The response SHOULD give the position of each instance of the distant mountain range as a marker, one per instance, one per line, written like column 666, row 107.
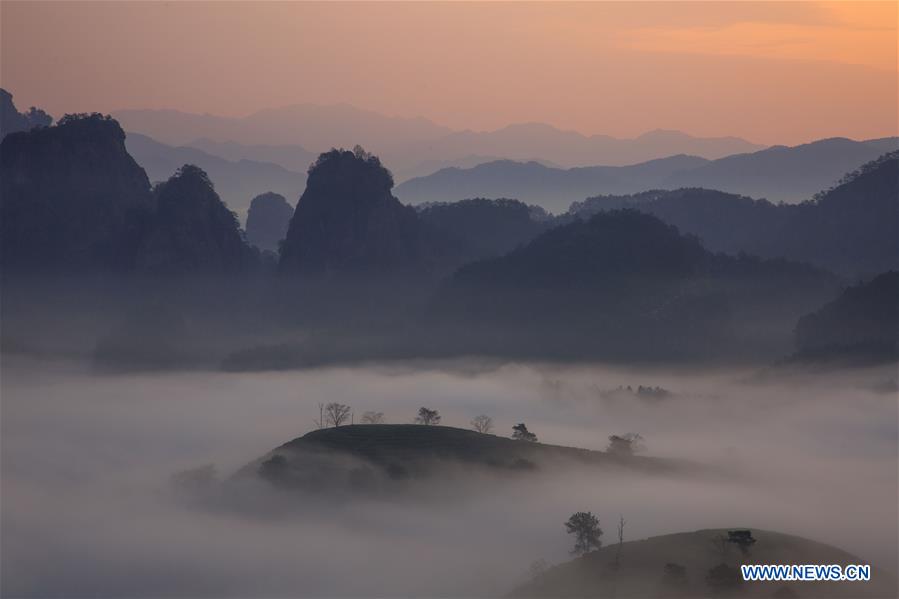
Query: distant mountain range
column 659, row 275
column 787, row 174
column 554, row 189
column 291, row 157
column 527, row 141
column 315, row 127
column 410, row 146
column 236, row 181
column 851, row 229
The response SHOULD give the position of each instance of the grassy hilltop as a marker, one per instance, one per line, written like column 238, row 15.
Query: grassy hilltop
column 678, row 565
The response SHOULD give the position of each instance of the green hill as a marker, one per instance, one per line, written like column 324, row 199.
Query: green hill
column 678, row 565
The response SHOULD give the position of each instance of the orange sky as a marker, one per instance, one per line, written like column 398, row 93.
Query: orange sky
column 772, row 72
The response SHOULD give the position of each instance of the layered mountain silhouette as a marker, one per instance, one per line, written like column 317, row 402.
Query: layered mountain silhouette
column 486, row 228
column 348, row 222
column 192, row 231
column 862, row 323
column 724, row 222
column 532, row 182
column 630, row 285
column 293, row 157
column 780, row 174
column 315, row 127
column 72, row 198
column 12, row 121
column 851, row 228
column 524, row 141
column 411, row 145
column 267, row 221
column 236, row 181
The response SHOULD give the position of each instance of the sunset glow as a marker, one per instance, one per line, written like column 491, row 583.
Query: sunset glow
column 770, row 72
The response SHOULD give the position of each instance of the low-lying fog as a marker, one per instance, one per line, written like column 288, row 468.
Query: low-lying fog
column 87, row 459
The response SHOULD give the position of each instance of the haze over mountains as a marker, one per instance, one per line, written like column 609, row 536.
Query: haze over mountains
column 729, row 282
column 851, row 228
column 106, row 271
column 236, row 180
column 779, row 174
column 449, row 300
column 535, row 163
column 412, row 146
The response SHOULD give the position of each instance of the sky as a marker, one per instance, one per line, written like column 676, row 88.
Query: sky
column 771, row 72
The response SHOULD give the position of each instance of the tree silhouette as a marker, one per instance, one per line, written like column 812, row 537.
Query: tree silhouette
column 373, row 418
column 482, row 423
column 742, row 539
column 625, row 445
column 585, row 527
column 336, row 414
column 37, row 118
column 426, row 416
column 521, row 433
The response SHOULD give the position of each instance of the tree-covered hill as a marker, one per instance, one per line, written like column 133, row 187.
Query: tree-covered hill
column 624, row 283
column 862, row 323
column 851, row 228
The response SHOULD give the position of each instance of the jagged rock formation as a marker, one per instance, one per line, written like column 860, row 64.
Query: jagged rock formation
column 71, row 198
column 347, row 222
column 862, row 322
column 12, row 121
column 267, row 221
column 192, row 231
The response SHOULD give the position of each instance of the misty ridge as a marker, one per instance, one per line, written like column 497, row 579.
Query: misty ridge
column 437, row 388
column 611, row 278
column 535, row 163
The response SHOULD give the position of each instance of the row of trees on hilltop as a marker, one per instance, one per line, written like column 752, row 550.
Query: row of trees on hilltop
column 336, row 414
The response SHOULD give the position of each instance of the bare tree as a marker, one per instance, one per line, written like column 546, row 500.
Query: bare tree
column 426, row 416
column 521, row 433
column 585, row 527
column 482, row 423
column 320, row 423
column 373, row 418
column 621, row 523
column 336, row 413
column 627, row 444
